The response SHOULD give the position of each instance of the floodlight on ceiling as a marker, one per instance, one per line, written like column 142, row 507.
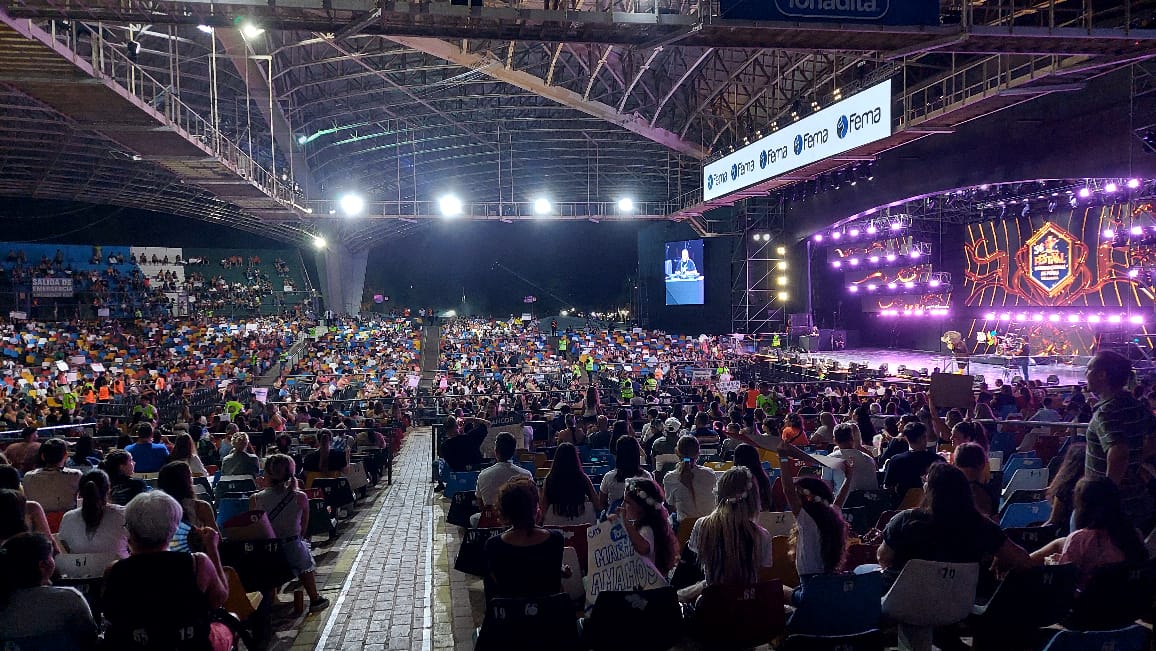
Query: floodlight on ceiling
column 541, row 206
column 625, row 204
column 250, row 30
column 352, row 204
column 319, row 242
column 205, row 28
column 450, row 206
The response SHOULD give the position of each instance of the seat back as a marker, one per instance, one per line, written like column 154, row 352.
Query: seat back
column 666, row 462
column 1020, row 496
column 865, row 641
column 1030, row 599
column 229, row 507
column 685, row 526
column 1114, row 597
column 1026, row 514
column 1131, row 638
column 876, row 503
column 261, row 564
column 337, row 491
column 928, row 593
column 575, row 536
column 911, row 500
column 646, row 620
column 839, row 604
column 92, row 589
column 1032, row 538
column 84, row 566
column 777, row 523
column 48, row 642
column 857, row 519
column 730, row 617
column 517, row 624
column 461, row 481
column 1018, row 463
column 463, row 504
column 471, row 554
column 782, row 567
column 1030, row 479
column 238, row 601
column 235, row 485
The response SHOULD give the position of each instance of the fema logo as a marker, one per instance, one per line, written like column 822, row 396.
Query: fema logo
column 843, row 126
column 734, row 171
column 798, row 145
column 709, row 181
column 763, row 159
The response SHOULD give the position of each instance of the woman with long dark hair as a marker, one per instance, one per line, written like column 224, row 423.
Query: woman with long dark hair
column 946, row 528
column 176, row 479
column 1103, row 534
column 568, row 496
column 119, row 466
column 185, row 450
column 1062, row 489
column 627, row 464
column 747, row 456
column 647, row 523
column 32, row 610
column 820, row 533
column 97, row 527
column 863, row 420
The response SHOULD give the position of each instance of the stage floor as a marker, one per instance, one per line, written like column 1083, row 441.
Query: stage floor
column 917, row 359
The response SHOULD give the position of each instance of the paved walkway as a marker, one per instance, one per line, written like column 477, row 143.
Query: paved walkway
column 388, row 599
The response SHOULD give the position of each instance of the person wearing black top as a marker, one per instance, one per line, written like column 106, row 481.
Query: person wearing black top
column 463, row 449
column 906, row 470
column 526, row 560
column 123, row 486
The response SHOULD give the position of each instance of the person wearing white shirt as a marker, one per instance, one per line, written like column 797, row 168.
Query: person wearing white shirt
column 864, row 478
column 689, row 487
column 491, row 480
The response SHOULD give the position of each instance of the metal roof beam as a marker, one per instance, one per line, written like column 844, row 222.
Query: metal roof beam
column 538, row 86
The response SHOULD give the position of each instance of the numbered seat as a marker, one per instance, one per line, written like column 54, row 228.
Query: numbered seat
column 229, row 507
column 738, row 617
column 461, row 481
column 1115, row 596
column 261, row 564
column 1131, row 638
column 1026, row 514
column 1026, row 479
column 929, row 594
column 1024, row 602
column 84, row 566
column 463, row 504
column 777, row 523
column 1032, row 538
column 528, row 624
column 639, row 620
column 838, row 604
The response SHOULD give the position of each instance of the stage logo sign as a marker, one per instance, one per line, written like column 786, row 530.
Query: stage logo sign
column 1050, row 258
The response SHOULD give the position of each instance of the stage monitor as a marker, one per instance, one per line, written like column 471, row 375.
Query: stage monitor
column 683, row 270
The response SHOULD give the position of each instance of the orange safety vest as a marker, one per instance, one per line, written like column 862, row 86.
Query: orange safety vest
column 104, row 394
column 160, row 383
column 118, row 387
column 752, row 398
column 89, row 396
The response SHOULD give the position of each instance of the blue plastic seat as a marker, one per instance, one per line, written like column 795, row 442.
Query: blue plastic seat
column 855, row 597
column 1132, row 638
column 228, row 507
column 1026, row 514
column 461, row 481
column 1017, row 463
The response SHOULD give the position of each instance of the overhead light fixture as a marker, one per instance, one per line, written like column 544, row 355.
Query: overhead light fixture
column 625, row 204
column 250, row 30
column 1133, row 184
column 450, row 206
column 319, row 242
column 784, row 296
column 541, row 206
column 782, row 250
column 205, row 28
column 351, row 204
column 1110, row 187
column 302, row 139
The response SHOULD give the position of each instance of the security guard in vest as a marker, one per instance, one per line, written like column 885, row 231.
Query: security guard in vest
column 68, row 401
column 590, row 367
column 651, row 384
column 562, row 345
column 626, row 389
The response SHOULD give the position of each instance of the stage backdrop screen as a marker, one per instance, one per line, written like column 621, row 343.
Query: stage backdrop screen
column 683, row 269
column 1057, row 259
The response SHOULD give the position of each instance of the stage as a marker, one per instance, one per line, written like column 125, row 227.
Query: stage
column 1069, row 374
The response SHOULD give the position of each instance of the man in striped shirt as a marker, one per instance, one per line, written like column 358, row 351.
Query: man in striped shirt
column 1120, row 424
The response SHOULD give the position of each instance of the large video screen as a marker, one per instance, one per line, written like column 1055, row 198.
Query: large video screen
column 684, row 269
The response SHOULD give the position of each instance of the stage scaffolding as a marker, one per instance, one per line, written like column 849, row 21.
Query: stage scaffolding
column 756, row 265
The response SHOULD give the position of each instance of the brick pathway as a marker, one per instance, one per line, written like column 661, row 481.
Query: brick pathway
column 388, row 598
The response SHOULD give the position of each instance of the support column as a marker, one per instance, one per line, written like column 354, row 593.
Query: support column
column 342, row 277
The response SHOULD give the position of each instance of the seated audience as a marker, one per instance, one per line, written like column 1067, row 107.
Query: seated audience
column 729, row 545
column 647, row 523
column 820, row 533
column 53, row 485
column 97, row 527
column 1062, row 489
column 747, row 456
column 689, row 487
column 33, row 612
column 85, row 456
column 146, row 455
column 288, row 511
column 463, row 447
column 120, row 467
column 176, row 480
column 1103, row 534
column 525, row 560
column 627, row 464
column 185, row 450
column 239, row 461
column 905, row 470
column 846, row 448
column 491, row 480
column 18, row 514
column 192, row 584
column 568, row 497
column 972, row 460
column 24, row 453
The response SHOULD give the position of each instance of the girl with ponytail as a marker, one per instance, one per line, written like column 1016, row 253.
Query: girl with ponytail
column 689, row 487
column 97, row 527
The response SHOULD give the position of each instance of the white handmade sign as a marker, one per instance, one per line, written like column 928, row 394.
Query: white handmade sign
column 614, row 565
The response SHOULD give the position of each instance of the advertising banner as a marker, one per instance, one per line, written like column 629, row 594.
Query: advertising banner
column 882, row 12
column 858, row 120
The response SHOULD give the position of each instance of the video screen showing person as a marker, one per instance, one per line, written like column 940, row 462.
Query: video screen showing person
column 684, row 273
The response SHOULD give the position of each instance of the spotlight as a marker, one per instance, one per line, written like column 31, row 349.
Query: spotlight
column 853, row 289
column 990, row 316
column 836, row 235
column 891, row 285
column 871, row 230
column 874, row 259
column 250, row 31
column 319, row 242
column 450, row 206
column 1110, row 186
column 1133, row 273
column 871, row 287
column 1136, row 319
column 784, row 296
column 933, row 283
column 1115, row 318
column 854, row 232
column 818, row 237
column 782, row 264
column 836, row 264
column 625, row 204
column 1005, row 317
column 1073, row 318
column 1094, row 318
column 541, row 206
column 1109, row 234
column 1021, row 317
column 1054, row 318
column 854, row 262
column 909, row 285
column 205, row 28
column 782, row 280
column 891, row 257
column 913, row 254
column 302, row 139
column 896, row 226
column 1037, row 317
column 1133, row 184
column 1136, row 230
column 1084, row 193
column 351, row 204
column 782, row 250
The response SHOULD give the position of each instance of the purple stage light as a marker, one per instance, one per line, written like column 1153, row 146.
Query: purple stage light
column 1037, row 317
column 933, row 283
column 1109, row 234
column 854, row 232
column 874, row 259
column 871, row 230
column 1084, row 193
column 854, row 262
column 891, row 257
column 818, row 237
column 853, row 289
column 1094, row 318
column 1110, row 186
column 1136, row 319
column 836, row 235
column 1133, row 273
column 1133, row 184
column 1005, row 317
column 1115, row 318
column 1136, row 230
column 1021, row 317
column 891, row 285
column 990, row 316
column 1073, row 318
column 896, row 226
column 836, row 264
column 871, row 287
column 914, row 254
column 1054, row 318
column 909, row 284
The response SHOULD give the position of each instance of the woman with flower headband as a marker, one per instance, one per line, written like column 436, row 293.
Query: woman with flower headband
column 820, row 533
column 730, row 545
column 647, row 523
